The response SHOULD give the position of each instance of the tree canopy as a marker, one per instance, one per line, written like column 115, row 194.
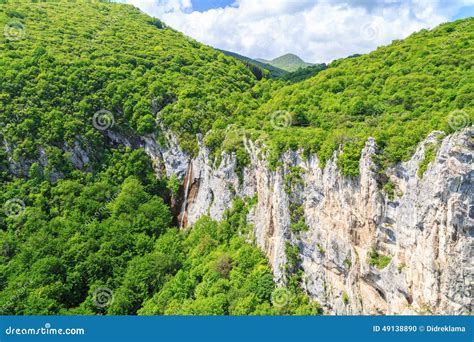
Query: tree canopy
column 98, row 238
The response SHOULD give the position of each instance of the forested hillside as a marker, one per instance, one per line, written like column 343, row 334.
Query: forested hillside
column 101, row 240
column 73, row 236
column 260, row 69
column 397, row 94
column 75, row 60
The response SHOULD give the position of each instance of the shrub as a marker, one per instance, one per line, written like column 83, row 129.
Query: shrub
column 378, row 260
column 345, row 298
column 430, row 155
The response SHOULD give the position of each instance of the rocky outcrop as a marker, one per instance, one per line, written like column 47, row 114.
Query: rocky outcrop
column 167, row 158
column 365, row 251
column 406, row 250
column 77, row 155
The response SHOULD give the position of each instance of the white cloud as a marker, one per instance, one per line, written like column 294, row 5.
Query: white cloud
column 316, row 30
column 159, row 8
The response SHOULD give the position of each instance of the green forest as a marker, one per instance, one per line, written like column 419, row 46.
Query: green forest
column 71, row 240
column 104, row 243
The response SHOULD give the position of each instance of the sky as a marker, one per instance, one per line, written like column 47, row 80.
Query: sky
column 316, row 30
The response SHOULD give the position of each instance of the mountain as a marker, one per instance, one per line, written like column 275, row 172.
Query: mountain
column 142, row 172
column 260, row 69
column 273, row 71
column 288, row 62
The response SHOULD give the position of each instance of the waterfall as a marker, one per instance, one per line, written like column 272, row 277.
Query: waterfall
column 187, row 181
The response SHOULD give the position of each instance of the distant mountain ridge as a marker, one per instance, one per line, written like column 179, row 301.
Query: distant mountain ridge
column 288, row 62
column 274, row 71
column 261, row 69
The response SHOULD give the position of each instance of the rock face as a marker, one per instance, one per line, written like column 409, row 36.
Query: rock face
column 423, row 230
column 78, row 156
column 406, row 250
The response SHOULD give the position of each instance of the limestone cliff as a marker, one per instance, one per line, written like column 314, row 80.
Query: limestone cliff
column 408, row 249
column 422, row 229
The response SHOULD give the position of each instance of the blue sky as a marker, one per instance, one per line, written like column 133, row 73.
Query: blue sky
column 464, row 12
column 204, row 5
column 316, row 30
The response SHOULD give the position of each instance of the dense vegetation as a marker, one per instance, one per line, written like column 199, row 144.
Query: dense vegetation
column 397, row 94
column 103, row 244
column 69, row 67
column 222, row 274
column 67, row 235
column 304, row 73
column 76, row 59
column 260, row 69
column 101, row 240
